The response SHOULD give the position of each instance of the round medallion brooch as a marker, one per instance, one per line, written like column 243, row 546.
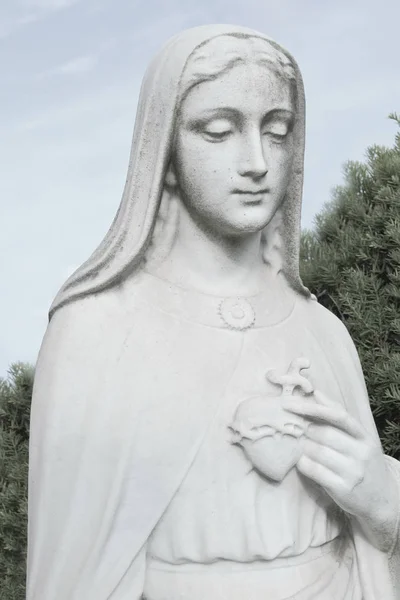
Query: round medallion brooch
column 237, row 313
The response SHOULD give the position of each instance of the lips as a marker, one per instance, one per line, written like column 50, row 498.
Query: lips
column 251, row 192
column 249, row 197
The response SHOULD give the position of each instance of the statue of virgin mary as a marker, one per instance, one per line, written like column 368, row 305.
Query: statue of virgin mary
column 200, row 425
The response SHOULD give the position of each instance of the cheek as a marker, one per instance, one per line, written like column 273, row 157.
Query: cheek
column 281, row 164
column 203, row 167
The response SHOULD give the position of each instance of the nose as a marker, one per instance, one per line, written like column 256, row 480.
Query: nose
column 253, row 163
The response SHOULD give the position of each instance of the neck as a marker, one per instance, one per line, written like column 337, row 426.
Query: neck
column 207, row 261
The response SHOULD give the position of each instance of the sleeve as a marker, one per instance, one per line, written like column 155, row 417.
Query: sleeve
column 393, row 465
column 394, row 552
column 355, row 390
column 379, row 570
column 73, row 470
column 345, row 363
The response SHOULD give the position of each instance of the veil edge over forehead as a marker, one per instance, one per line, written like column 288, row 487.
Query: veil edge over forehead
column 125, row 244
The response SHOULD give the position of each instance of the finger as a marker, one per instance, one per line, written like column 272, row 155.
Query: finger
column 333, row 415
column 334, row 438
column 320, row 474
column 331, row 435
column 328, row 457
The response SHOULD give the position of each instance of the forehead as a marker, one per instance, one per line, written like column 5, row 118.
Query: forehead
column 246, row 87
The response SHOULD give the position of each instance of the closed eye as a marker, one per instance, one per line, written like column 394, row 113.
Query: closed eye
column 217, row 130
column 277, row 135
column 278, row 130
column 217, row 136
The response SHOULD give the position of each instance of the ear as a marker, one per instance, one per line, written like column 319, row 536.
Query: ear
column 171, row 180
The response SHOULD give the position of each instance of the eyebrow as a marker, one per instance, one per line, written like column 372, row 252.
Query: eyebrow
column 228, row 111
column 280, row 112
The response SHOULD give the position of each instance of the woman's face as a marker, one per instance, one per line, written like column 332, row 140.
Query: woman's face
column 234, row 148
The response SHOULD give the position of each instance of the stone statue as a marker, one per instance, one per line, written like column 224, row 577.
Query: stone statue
column 200, row 424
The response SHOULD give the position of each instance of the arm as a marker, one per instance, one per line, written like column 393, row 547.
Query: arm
column 73, row 469
column 366, row 418
column 343, row 452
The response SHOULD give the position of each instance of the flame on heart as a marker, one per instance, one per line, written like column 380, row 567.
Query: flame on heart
column 293, row 378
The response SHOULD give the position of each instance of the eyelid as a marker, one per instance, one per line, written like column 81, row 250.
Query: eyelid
column 220, row 124
column 280, row 129
column 279, row 121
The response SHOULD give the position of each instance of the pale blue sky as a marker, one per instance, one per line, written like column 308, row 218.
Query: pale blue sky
column 71, row 71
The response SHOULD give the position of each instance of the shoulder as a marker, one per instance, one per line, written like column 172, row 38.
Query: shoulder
column 333, row 337
column 87, row 315
column 319, row 319
column 80, row 328
column 97, row 322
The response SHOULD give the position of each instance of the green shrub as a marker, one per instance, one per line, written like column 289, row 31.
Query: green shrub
column 15, row 402
column 351, row 261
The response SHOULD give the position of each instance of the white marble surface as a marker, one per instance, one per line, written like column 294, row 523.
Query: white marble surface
column 200, row 425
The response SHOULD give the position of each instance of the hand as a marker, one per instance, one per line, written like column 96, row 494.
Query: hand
column 343, row 458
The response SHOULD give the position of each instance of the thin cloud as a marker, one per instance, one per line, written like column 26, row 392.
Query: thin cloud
column 111, row 101
column 76, row 66
column 28, row 12
column 11, row 26
column 49, row 5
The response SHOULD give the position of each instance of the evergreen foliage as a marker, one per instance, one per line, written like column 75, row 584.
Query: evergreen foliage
column 15, row 402
column 351, row 262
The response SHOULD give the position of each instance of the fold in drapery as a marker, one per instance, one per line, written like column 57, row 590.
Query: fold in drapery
column 328, row 572
column 108, row 453
column 111, row 443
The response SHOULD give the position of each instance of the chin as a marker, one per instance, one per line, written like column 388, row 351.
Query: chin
column 243, row 229
column 254, row 222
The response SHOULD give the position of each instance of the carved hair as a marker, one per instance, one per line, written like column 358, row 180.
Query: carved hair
column 208, row 62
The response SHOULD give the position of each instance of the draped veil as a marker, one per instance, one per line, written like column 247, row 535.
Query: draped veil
column 125, row 244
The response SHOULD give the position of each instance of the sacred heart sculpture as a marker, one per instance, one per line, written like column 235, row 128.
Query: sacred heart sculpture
column 271, row 437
